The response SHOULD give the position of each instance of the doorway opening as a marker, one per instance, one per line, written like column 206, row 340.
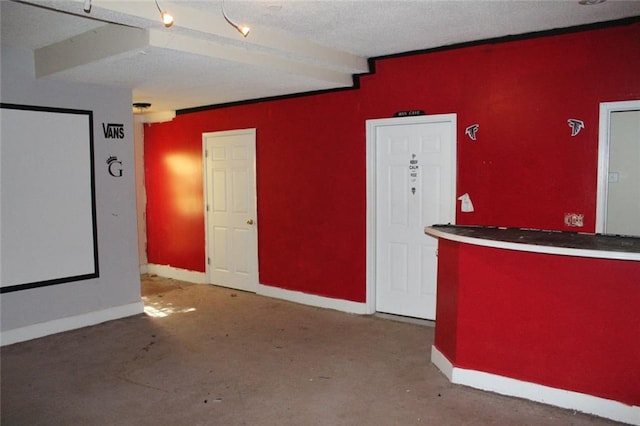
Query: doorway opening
column 618, row 188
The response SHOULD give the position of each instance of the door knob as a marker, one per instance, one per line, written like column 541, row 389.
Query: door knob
column 250, row 222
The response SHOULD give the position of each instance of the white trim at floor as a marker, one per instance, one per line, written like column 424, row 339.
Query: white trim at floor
column 70, row 323
column 167, row 271
column 312, row 300
column 265, row 290
column 535, row 392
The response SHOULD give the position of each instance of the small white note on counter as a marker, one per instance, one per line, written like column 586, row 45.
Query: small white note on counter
column 467, row 205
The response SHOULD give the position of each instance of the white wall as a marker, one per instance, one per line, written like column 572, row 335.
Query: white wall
column 32, row 313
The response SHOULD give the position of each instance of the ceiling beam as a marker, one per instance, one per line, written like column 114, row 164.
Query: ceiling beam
column 277, row 41
column 210, row 25
column 111, row 40
column 167, row 40
column 94, row 45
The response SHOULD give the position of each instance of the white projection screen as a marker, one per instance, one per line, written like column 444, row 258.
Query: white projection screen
column 47, row 203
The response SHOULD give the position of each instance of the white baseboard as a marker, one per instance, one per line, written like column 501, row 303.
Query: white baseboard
column 442, row 362
column 312, row 300
column 144, row 269
column 70, row 323
column 265, row 290
column 585, row 403
column 177, row 273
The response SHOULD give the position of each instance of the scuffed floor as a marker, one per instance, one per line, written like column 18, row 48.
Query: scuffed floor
column 204, row 355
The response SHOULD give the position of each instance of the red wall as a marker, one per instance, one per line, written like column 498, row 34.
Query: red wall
column 523, row 170
column 565, row 322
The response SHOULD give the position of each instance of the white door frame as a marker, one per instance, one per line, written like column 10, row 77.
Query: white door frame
column 251, row 131
column 371, row 191
column 606, row 108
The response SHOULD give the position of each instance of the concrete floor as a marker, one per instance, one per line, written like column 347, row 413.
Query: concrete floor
column 215, row 356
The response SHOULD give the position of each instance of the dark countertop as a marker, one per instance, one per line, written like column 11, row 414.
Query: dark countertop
column 572, row 240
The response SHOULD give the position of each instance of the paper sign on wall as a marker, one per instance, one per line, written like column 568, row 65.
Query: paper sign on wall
column 413, row 172
column 467, row 205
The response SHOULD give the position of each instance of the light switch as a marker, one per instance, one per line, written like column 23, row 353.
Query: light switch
column 614, row 177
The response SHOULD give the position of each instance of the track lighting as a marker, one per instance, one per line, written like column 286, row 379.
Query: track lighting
column 167, row 18
column 242, row 29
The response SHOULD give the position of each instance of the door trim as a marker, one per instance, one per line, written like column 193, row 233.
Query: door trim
column 238, row 132
column 606, row 108
column 372, row 188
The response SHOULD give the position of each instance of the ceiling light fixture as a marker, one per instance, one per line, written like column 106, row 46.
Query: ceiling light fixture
column 87, row 6
column 167, row 18
column 141, row 106
column 242, row 29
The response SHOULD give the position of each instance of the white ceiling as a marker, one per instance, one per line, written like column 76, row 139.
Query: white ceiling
column 294, row 45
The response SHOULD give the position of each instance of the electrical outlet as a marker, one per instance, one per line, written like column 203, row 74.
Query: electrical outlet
column 574, row 220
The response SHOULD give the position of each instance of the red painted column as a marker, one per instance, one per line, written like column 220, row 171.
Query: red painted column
column 446, row 332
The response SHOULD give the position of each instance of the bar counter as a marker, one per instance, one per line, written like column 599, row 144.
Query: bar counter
column 549, row 316
column 540, row 241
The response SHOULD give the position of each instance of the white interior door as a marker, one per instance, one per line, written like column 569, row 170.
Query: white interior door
column 232, row 243
column 414, row 187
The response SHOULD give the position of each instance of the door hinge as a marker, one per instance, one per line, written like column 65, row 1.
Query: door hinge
column 206, row 153
column 207, row 207
column 208, row 261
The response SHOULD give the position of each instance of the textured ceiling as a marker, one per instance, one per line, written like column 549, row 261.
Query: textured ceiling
column 294, row 46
